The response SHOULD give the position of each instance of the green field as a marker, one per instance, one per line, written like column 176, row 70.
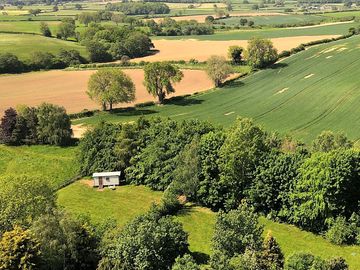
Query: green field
column 275, row 20
column 26, row 27
column 24, row 44
column 336, row 29
column 122, row 204
column 312, row 91
column 54, row 164
column 128, row 201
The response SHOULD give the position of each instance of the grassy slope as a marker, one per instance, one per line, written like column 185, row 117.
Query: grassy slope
column 24, row 44
column 309, row 92
column 52, row 163
column 123, row 204
column 338, row 29
column 129, row 201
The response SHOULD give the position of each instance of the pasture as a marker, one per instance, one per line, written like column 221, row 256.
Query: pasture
column 68, row 88
column 53, row 164
column 26, row 27
column 23, row 45
column 128, row 201
column 307, row 93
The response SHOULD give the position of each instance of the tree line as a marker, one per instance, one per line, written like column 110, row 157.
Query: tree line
column 138, row 8
column 45, row 124
column 315, row 188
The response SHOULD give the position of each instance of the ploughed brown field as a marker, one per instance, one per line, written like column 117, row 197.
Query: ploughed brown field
column 201, row 18
column 68, row 88
column 187, row 49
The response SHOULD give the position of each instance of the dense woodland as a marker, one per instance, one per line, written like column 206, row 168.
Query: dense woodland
column 240, row 172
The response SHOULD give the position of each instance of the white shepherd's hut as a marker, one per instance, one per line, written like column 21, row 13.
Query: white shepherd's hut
column 106, row 179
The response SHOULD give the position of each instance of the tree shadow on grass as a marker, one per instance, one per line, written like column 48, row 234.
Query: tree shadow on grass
column 132, row 111
column 278, row 65
column 183, row 101
column 233, row 83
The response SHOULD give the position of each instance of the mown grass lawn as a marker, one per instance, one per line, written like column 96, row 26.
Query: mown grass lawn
column 126, row 202
column 309, row 92
column 53, row 164
column 23, row 45
column 122, row 204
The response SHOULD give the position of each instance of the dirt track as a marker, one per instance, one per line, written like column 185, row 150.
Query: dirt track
column 201, row 50
column 67, row 88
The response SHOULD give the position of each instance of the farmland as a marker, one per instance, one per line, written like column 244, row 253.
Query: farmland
column 68, row 88
column 186, row 49
column 22, row 45
column 309, row 92
column 252, row 150
column 197, row 221
column 274, row 20
column 340, row 28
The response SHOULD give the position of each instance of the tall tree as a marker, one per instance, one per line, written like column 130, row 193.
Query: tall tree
column 44, row 29
column 260, row 52
column 54, row 125
column 218, row 69
column 148, row 242
column 159, row 77
column 237, row 230
column 7, row 126
column 111, row 86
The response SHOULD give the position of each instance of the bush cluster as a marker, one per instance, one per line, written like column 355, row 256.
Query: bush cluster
column 107, row 43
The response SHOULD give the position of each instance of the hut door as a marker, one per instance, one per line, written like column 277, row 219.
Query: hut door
column 101, row 184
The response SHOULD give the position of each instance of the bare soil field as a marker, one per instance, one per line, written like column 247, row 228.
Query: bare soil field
column 68, row 88
column 201, row 18
column 187, row 49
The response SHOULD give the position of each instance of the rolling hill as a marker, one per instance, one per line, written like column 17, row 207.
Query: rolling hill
column 312, row 91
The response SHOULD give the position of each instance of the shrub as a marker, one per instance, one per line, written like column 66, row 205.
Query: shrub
column 341, row 232
column 10, row 63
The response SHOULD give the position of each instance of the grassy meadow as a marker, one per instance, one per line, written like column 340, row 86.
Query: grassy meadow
column 128, row 201
column 23, row 45
column 307, row 93
column 54, row 164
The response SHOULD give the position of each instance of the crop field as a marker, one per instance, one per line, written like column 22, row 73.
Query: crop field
column 201, row 50
column 22, row 45
column 53, row 164
column 309, row 92
column 274, row 20
column 339, row 28
column 128, row 201
column 68, row 88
